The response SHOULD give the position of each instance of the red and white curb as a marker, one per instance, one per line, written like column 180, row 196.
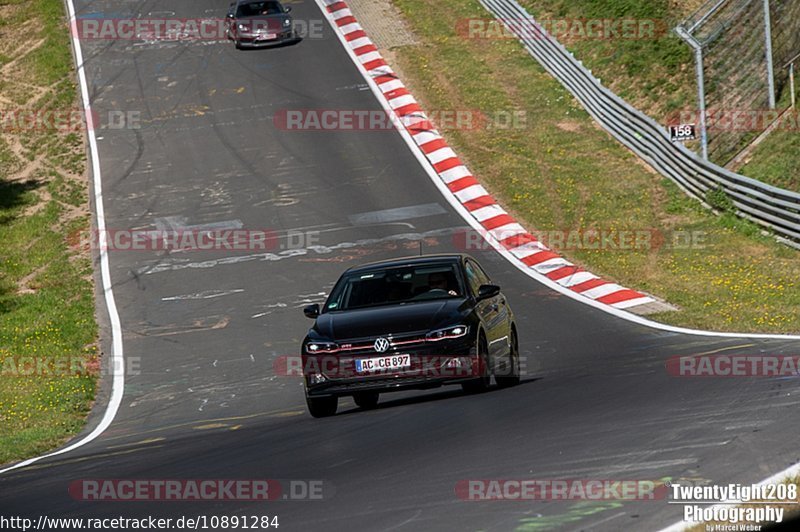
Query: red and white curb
column 495, row 221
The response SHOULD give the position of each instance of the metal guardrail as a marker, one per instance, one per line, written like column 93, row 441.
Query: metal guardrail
column 774, row 209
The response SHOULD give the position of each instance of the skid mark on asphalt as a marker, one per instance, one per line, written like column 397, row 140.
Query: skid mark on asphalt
column 217, row 394
column 290, row 413
column 720, row 350
column 604, row 471
column 294, row 302
column 270, row 310
column 188, row 424
column 165, row 265
column 207, row 294
column 606, row 520
column 577, row 512
column 93, row 457
column 397, row 214
column 211, row 426
column 416, row 247
column 147, row 441
column 209, row 323
column 178, row 224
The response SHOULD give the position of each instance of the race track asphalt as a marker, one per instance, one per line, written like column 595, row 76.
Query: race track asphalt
column 204, row 328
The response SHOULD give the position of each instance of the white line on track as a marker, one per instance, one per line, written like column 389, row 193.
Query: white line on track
column 117, row 357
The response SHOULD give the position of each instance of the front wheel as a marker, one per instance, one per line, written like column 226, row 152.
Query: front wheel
column 481, row 384
column 511, row 376
column 322, row 406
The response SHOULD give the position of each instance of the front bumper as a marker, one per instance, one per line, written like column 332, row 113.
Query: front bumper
column 431, row 367
column 259, row 41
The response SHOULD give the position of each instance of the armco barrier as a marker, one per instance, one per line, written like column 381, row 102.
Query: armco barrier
column 774, row 209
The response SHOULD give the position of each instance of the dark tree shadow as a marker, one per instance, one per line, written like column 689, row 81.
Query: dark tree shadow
column 12, row 196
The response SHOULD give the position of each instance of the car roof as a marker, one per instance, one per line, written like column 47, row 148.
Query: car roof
column 409, row 261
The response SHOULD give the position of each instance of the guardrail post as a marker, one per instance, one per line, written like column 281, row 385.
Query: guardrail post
column 701, row 85
column 790, row 66
column 770, row 68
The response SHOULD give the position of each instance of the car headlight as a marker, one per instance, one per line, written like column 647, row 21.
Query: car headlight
column 243, row 27
column 287, row 22
column 456, row 331
column 315, row 348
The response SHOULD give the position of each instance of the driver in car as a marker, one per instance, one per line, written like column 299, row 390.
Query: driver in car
column 438, row 281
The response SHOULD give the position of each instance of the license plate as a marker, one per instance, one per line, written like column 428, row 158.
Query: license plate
column 387, row 363
column 267, row 37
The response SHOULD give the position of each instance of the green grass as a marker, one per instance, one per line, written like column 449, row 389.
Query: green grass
column 46, row 293
column 776, row 160
column 52, row 61
column 657, row 76
column 560, row 172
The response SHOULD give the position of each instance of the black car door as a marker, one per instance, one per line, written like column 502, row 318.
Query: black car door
column 493, row 311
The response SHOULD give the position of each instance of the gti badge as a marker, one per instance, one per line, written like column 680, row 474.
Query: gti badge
column 381, row 345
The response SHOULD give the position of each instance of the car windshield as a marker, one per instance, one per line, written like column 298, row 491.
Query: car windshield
column 392, row 286
column 256, row 9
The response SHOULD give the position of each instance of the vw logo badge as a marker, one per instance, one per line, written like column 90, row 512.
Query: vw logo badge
column 381, row 345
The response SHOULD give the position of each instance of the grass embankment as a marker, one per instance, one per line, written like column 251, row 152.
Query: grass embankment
column 777, row 160
column 657, row 76
column 654, row 73
column 46, row 295
column 560, row 172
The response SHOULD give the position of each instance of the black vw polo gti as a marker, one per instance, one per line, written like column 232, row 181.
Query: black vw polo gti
column 411, row 323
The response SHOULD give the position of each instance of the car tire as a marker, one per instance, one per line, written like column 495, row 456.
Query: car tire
column 237, row 44
column 512, row 379
column 322, row 406
column 366, row 400
column 481, row 384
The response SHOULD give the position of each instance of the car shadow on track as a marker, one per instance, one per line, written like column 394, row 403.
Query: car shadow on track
column 275, row 46
column 452, row 393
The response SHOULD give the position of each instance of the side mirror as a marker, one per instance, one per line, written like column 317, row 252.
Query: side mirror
column 488, row 291
column 312, row 311
column 287, row 9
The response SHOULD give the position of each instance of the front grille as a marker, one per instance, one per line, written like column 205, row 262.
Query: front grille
column 396, row 343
